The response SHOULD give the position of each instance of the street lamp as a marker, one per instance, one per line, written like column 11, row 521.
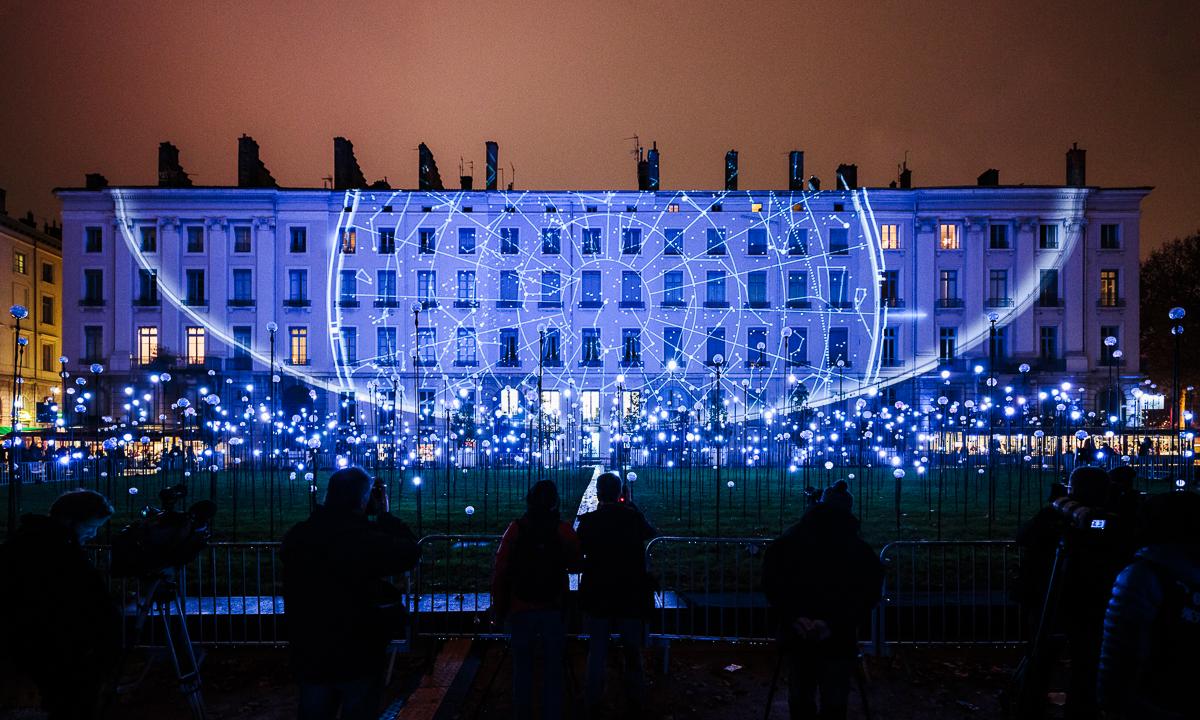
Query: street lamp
column 19, row 313
column 1175, row 315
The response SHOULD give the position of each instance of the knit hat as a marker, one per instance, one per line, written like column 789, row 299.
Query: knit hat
column 838, row 495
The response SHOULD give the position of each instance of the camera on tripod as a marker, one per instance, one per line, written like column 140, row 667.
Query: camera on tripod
column 163, row 538
column 1081, row 516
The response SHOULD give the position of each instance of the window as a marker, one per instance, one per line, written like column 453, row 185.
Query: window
column 349, row 241
column 797, row 347
column 839, row 289
column 631, row 347
column 426, row 401
column 551, row 241
column 93, row 343
column 427, row 347
column 426, row 241
column 1048, row 342
column 887, row 354
column 195, row 349
column 552, row 348
column 673, row 346
column 1110, row 236
column 839, row 341
column 673, row 289
column 465, row 349
column 149, row 235
column 93, row 239
column 241, row 239
column 243, row 287
column 716, row 241
column 756, row 241
column 299, row 239
column 673, row 207
column 589, row 244
column 20, row 263
column 243, row 342
column 839, row 241
column 510, row 290
column 297, row 287
column 551, row 290
column 509, row 342
column 1048, row 288
column 47, row 310
column 673, row 241
column 797, row 289
column 998, row 237
column 427, row 288
column 631, row 289
column 948, row 289
column 947, row 343
column 756, row 207
column 631, row 241
column 147, row 291
column 1047, row 237
column 591, row 297
column 385, row 281
column 797, row 241
column 715, row 345
column 349, row 338
column 997, row 342
column 510, row 240
column 466, row 297
column 466, row 241
column 589, row 404
column 47, row 273
column 948, row 234
column 889, row 289
column 998, row 289
column 756, row 347
column 348, row 288
column 48, row 357
column 714, row 289
column 1110, row 288
column 386, row 348
column 756, row 289
column 591, row 348
column 298, row 345
column 195, row 239
column 387, row 241
column 195, row 287
column 147, row 345
column 889, row 237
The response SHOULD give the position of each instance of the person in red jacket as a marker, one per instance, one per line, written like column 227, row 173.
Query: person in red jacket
column 529, row 585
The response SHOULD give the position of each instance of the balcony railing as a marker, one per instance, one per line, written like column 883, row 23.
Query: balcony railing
column 1110, row 302
column 509, row 304
column 948, row 303
column 1050, row 302
column 891, row 362
column 347, row 302
column 890, row 301
column 466, row 304
column 841, row 304
column 757, row 304
column 240, row 302
column 591, row 304
column 716, row 304
column 674, row 303
column 632, row 305
column 387, row 301
column 799, row 304
column 297, row 302
column 143, row 302
column 92, row 302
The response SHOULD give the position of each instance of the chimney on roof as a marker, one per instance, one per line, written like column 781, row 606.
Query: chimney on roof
column 905, row 176
column 170, row 172
column 428, row 177
column 847, row 176
column 492, row 161
column 731, row 170
column 466, row 182
column 796, row 171
column 28, row 220
column 52, row 229
column 94, row 181
column 652, row 168
column 252, row 173
column 643, row 170
column 814, row 183
column 1076, row 166
column 3, row 202
column 988, row 178
column 346, row 173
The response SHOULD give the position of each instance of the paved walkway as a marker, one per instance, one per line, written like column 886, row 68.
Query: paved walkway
column 588, row 502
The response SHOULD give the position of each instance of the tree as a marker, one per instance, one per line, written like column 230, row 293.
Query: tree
column 1170, row 278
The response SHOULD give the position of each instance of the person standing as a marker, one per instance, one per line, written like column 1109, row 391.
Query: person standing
column 341, row 612
column 823, row 580
column 529, row 587
column 615, row 591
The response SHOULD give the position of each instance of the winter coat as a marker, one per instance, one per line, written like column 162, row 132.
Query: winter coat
column 1149, row 657
column 506, row 595
column 340, row 612
column 615, row 583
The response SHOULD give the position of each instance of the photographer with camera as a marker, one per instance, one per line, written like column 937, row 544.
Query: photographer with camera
column 341, row 612
column 63, row 628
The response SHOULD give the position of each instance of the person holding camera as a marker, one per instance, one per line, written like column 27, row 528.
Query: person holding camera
column 341, row 612
column 615, row 590
column 67, row 635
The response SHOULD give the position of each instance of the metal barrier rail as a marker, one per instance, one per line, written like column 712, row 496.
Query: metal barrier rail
column 449, row 593
column 949, row 592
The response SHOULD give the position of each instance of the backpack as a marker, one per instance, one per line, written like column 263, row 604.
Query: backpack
column 1174, row 636
column 539, row 565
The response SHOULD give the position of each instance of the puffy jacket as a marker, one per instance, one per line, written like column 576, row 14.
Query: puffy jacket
column 615, row 582
column 1149, row 658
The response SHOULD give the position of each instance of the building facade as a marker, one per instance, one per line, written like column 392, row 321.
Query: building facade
column 612, row 300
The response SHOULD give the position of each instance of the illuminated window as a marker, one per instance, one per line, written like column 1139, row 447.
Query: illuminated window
column 510, row 401
column 1110, row 288
column 20, row 264
column 589, row 400
column 551, row 402
column 147, row 345
column 349, row 241
column 241, row 239
column 756, row 207
column 889, row 237
column 673, row 208
column 948, row 237
column 195, row 346
column 298, row 345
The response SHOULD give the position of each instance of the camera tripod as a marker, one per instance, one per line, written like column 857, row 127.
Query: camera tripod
column 159, row 595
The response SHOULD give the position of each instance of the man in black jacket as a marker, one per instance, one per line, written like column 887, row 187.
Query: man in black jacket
column 61, row 624
column 615, row 590
column 341, row 613
column 823, row 580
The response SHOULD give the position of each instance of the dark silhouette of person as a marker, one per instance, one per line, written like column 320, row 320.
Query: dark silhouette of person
column 61, row 624
column 529, row 587
column 1148, row 655
column 822, row 579
column 341, row 613
column 615, row 590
